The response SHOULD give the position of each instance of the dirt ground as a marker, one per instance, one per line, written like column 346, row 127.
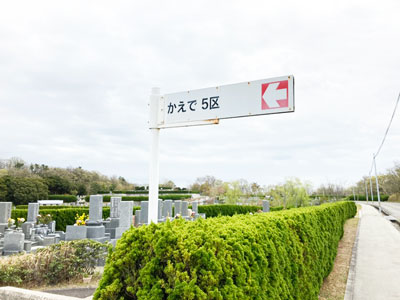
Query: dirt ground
column 334, row 285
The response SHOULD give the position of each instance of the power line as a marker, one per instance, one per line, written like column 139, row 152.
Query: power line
column 387, row 129
column 384, row 137
column 377, row 153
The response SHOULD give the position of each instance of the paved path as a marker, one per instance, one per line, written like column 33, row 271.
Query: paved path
column 377, row 259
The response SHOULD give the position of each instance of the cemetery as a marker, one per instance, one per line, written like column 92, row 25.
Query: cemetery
column 34, row 234
column 193, row 246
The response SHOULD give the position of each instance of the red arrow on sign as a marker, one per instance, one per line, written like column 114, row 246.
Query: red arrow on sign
column 274, row 95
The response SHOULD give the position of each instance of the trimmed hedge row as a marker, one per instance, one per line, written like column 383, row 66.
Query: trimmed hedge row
column 281, row 255
column 62, row 216
column 47, row 206
column 363, row 197
column 227, row 210
column 65, row 198
column 106, row 198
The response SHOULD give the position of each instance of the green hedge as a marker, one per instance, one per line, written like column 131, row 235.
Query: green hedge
column 363, row 197
column 46, row 206
column 147, row 191
column 280, row 255
column 106, row 198
column 63, row 216
column 65, row 198
column 227, row 210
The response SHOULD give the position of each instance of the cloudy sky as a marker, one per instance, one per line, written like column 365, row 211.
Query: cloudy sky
column 75, row 79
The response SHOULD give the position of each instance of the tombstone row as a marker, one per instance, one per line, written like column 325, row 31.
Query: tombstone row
column 168, row 209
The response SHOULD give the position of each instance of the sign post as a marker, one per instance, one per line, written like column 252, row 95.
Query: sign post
column 208, row 106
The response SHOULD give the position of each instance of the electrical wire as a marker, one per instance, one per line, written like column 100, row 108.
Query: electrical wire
column 387, row 129
column 384, row 137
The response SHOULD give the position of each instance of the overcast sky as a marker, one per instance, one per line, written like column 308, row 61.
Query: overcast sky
column 75, row 79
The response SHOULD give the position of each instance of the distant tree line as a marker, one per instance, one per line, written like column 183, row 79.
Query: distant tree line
column 21, row 183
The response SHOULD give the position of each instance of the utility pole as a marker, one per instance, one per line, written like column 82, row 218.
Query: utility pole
column 370, row 184
column 377, row 187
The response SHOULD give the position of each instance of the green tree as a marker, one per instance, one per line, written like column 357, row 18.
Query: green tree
column 24, row 190
column 232, row 192
column 292, row 193
column 3, row 190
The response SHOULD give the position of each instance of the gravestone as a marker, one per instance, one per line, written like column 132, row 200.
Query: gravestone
column 137, row 217
column 126, row 214
column 27, row 229
column 114, row 209
column 195, row 207
column 33, row 212
column 5, row 211
column 13, row 243
column 265, row 205
column 144, row 212
column 5, row 214
column 178, row 205
column 167, row 209
column 52, row 226
column 184, row 209
column 160, row 210
column 75, row 232
column 95, row 229
column 95, row 209
column 125, row 221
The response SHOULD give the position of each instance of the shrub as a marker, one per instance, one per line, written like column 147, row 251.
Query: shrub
column 57, row 263
column 227, row 210
column 46, row 206
column 364, row 198
column 65, row 198
column 280, row 255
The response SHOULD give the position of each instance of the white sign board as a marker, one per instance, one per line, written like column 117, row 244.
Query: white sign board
column 260, row 97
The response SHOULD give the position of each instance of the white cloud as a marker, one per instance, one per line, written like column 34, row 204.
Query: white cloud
column 75, row 79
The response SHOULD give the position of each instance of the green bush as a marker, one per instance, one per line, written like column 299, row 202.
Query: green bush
column 46, row 206
column 227, row 210
column 65, row 198
column 280, row 255
column 363, row 197
column 55, row 264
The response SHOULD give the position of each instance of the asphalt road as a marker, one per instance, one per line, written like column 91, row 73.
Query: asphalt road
column 392, row 208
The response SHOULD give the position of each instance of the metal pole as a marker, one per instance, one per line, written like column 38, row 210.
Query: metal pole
column 366, row 190
column 377, row 187
column 154, row 156
column 372, row 193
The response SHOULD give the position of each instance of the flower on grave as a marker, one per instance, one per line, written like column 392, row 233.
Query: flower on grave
column 177, row 216
column 20, row 221
column 45, row 219
column 80, row 220
column 10, row 222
